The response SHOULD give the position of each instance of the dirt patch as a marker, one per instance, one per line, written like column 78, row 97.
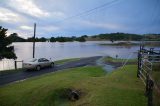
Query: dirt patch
column 70, row 94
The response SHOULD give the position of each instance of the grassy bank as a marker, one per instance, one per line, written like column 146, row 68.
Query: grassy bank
column 118, row 62
column 120, row 44
column 114, row 60
column 119, row 88
column 128, row 44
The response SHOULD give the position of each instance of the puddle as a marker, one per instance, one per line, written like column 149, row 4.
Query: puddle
column 106, row 67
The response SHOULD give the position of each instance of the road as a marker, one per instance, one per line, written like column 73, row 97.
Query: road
column 22, row 75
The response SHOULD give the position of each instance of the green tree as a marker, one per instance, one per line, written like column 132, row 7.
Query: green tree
column 52, row 39
column 15, row 38
column 6, row 50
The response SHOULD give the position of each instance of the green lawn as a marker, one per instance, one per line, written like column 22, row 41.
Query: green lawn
column 119, row 88
column 156, row 78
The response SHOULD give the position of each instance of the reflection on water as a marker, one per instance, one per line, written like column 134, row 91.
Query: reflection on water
column 58, row 51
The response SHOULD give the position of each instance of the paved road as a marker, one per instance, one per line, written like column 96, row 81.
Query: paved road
column 12, row 77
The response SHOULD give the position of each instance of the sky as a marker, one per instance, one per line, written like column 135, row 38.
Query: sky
column 79, row 17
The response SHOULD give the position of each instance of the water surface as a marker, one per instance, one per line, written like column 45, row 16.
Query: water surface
column 58, row 51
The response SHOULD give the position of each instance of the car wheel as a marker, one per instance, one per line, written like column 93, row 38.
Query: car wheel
column 38, row 68
column 52, row 64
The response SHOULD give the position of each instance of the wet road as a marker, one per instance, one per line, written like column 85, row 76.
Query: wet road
column 18, row 76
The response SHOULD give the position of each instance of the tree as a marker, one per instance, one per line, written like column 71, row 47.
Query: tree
column 52, row 39
column 15, row 38
column 81, row 39
column 42, row 39
column 6, row 50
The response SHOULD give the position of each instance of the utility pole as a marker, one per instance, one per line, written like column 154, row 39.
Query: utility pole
column 34, row 40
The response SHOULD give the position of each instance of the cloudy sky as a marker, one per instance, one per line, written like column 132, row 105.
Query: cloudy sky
column 79, row 17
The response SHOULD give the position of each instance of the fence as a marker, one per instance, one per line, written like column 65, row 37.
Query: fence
column 146, row 68
column 10, row 64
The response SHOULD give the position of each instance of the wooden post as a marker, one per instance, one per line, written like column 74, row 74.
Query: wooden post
column 147, row 84
column 15, row 64
column 34, row 40
column 138, row 64
column 150, row 92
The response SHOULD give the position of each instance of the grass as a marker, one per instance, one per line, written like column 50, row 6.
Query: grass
column 156, row 73
column 119, row 88
column 118, row 60
column 156, row 78
column 58, row 62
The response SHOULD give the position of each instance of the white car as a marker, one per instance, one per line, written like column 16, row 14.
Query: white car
column 37, row 63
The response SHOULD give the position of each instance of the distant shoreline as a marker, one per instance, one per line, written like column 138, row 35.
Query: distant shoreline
column 124, row 43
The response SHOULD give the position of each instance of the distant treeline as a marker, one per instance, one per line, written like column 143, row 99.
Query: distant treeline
column 15, row 38
column 108, row 36
column 125, row 37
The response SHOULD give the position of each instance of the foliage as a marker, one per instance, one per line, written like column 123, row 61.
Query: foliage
column 127, row 36
column 81, row 39
column 15, row 38
column 107, row 36
column 68, row 39
column 31, row 39
column 6, row 51
column 119, row 36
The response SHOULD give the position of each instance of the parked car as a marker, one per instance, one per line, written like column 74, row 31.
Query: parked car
column 37, row 64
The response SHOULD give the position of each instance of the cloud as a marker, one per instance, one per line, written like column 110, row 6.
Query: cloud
column 28, row 7
column 50, row 28
column 21, row 33
column 9, row 16
column 58, row 15
column 24, row 27
column 106, row 25
column 51, row 16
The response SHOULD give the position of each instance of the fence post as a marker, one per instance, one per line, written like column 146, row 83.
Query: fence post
column 15, row 64
column 138, row 64
column 147, row 84
column 150, row 92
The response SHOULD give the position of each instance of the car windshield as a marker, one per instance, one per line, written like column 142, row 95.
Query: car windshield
column 32, row 60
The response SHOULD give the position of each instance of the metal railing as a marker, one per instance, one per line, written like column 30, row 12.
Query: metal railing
column 146, row 58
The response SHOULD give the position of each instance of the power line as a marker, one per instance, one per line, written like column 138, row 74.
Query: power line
column 88, row 11
column 152, row 19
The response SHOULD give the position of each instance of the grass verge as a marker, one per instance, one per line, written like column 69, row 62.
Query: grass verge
column 109, row 59
column 119, row 88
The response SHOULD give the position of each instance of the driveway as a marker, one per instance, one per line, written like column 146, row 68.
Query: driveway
column 22, row 75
